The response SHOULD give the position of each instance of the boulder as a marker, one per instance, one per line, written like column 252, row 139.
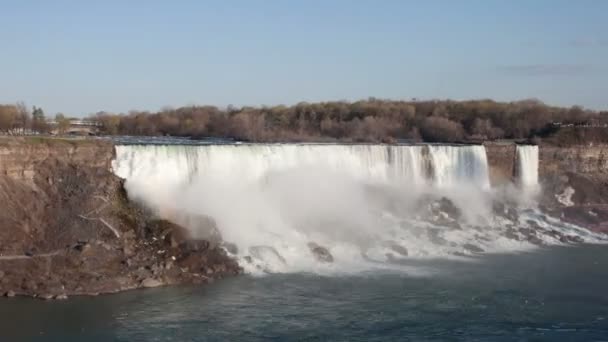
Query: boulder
column 397, row 248
column 472, row 248
column 151, row 282
column 446, row 206
column 321, row 253
column 433, row 235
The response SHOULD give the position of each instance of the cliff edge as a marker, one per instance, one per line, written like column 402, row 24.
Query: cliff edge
column 67, row 227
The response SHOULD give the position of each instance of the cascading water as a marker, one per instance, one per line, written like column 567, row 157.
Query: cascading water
column 527, row 173
column 527, row 165
column 460, row 165
column 366, row 205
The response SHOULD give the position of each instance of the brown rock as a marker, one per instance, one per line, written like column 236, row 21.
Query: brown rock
column 151, row 282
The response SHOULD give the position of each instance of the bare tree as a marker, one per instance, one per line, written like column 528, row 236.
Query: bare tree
column 63, row 123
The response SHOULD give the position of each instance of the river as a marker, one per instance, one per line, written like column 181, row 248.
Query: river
column 552, row 293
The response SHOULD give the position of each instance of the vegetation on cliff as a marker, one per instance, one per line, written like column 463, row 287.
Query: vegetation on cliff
column 371, row 120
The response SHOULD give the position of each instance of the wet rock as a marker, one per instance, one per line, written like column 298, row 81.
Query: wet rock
column 535, row 240
column 200, row 227
column 433, row 235
column 446, row 206
column 321, row 253
column 472, row 248
column 151, row 282
column 397, row 248
column 556, row 235
column 533, row 224
column 529, row 234
column 61, row 297
column 265, row 253
column 505, row 211
column 575, row 239
column 10, row 294
column 230, row 248
column 511, row 233
column 46, row 296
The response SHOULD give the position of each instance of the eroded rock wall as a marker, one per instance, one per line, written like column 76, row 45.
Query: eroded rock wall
column 501, row 162
column 67, row 227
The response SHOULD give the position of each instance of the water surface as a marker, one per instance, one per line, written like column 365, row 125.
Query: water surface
column 557, row 293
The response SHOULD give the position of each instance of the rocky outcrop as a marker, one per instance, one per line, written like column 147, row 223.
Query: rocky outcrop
column 67, row 228
column 501, row 162
column 575, row 183
column 588, row 160
column 573, row 179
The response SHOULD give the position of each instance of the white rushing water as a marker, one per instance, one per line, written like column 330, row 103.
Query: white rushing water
column 364, row 203
column 527, row 164
column 527, row 169
column 457, row 165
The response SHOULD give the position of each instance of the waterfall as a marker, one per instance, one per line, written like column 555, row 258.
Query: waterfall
column 527, row 166
column 367, row 204
column 174, row 164
column 457, row 165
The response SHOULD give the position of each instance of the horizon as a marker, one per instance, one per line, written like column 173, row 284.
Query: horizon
column 79, row 59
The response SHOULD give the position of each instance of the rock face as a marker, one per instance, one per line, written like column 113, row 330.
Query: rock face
column 578, row 159
column 574, row 180
column 67, row 228
column 575, row 183
column 501, row 162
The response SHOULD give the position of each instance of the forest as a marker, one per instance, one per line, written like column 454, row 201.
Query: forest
column 371, row 120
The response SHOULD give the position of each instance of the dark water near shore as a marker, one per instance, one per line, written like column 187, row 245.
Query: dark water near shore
column 550, row 294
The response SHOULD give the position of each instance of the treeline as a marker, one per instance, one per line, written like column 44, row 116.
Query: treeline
column 372, row 120
column 17, row 119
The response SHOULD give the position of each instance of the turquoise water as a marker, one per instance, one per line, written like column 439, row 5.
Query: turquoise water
column 551, row 294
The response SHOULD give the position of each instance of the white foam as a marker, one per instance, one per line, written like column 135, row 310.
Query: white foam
column 355, row 200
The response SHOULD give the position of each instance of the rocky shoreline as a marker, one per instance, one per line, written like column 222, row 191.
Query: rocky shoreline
column 69, row 229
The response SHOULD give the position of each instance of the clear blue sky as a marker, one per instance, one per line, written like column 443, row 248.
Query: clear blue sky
column 80, row 57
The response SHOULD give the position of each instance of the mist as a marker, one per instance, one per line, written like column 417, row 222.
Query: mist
column 368, row 205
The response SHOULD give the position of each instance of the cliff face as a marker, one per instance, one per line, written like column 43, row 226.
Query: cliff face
column 575, row 183
column 501, row 162
column 574, row 180
column 66, row 226
column 591, row 160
